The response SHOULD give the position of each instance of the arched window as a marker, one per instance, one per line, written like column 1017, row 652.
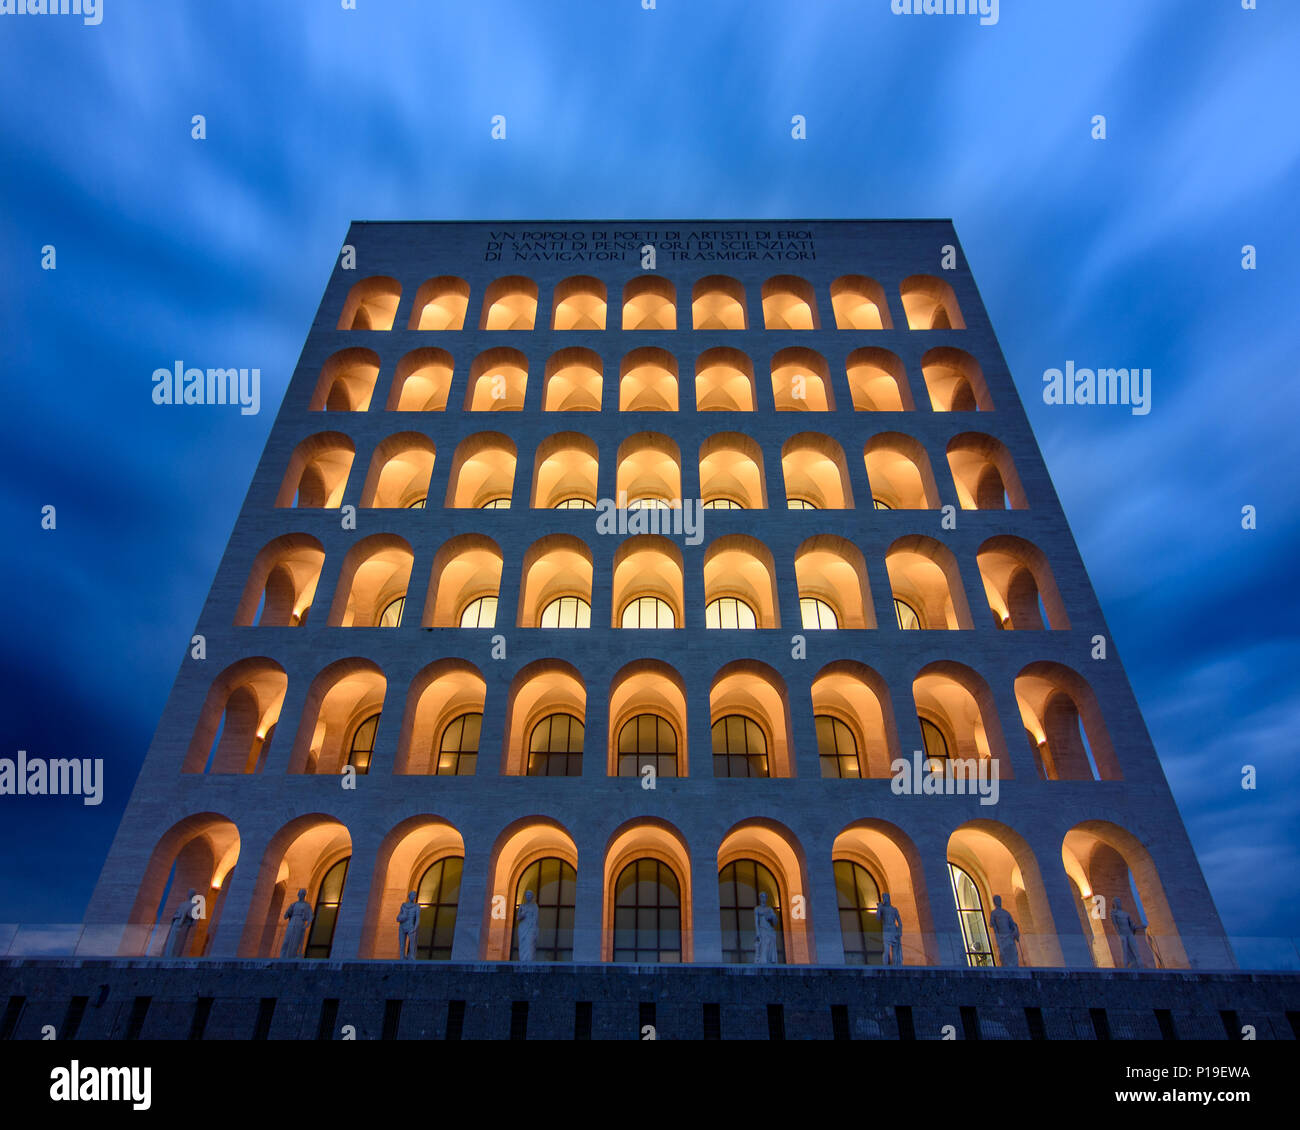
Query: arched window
column 458, row 749
column 554, row 884
column 880, row 504
column 936, row 745
column 817, row 613
column 419, row 504
column 391, row 616
column 739, row 885
column 729, row 612
column 647, row 913
column 567, row 612
column 575, row 504
column 970, row 910
column 858, row 894
column 799, row 504
column 648, row 503
column 648, row 612
column 908, row 620
column 326, row 915
column 496, row 504
column 480, row 613
column 555, row 747
column 438, row 896
column 722, row 504
column 363, row 744
column 739, row 747
column 836, row 748
column 645, row 740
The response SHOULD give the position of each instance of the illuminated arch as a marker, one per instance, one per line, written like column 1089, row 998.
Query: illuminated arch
column 724, row 381
column 376, row 572
column 1016, row 577
column 238, row 718
column 898, row 470
column 440, row 304
column 789, row 303
column 739, row 566
column 404, row 856
column 776, row 848
column 801, row 381
column 482, row 471
column 731, row 472
column 347, row 382
column 371, row 304
column 1064, row 721
column 649, row 468
column 509, row 303
column 984, row 473
column 718, row 303
column 579, row 304
column 498, row 380
column 923, row 574
column 648, row 566
column 890, row 857
column 555, row 566
column 860, row 304
column 521, row 844
column 542, row 688
column 955, row 381
column 343, row 696
column 956, row 700
column 854, row 694
column 930, row 304
column 877, row 381
column 647, row 381
column 466, row 571
column 565, row 471
column 573, row 381
column 281, row 582
column 751, row 689
column 816, row 473
column 400, row 471
column 649, row 303
column 422, row 381
column 318, row 472
column 833, row 570
column 652, row 839
column 646, row 687
column 439, row 694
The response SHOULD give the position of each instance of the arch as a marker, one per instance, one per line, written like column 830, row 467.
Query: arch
column 541, row 689
column 376, row 571
column 731, row 473
column 930, row 304
column 509, row 303
column 565, row 469
column 347, row 382
column 984, row 473
column 422, row 381
column 1102, row 858
column 789, row 303
column 833, row 570
column 718, row 303
column 482, row 471
column 555, row 566
column 888, row 854
column 955, row 381
column 1063, row 717
column 898, row 470
column 440, row 304
column 816, row 472
column 748, row 688
column 958, row 702
column 877, row 381
column 801, row 381
column 196, row 853
column 281, row 582
column 860, row 304
column 645, row 689
column 317, row 472
column 298, row 857
column 439, row 695
column 649, row 469
column 773, row 846
column 401, row 863
column 579, row 304
column 736, row 565
column 646, row 838
column 1016, row 577
column 724, row 381
column 521, row 844
column 400, row 471
column 466, row 569
column 573, row 381
column 1000, row 862
column 498, row 380
column 647, row 381
column 238, row 718
column 854, row 694
column 923, row 574
column 649, row 303
column 371, row 304
column 344, row 695
column 647, row 565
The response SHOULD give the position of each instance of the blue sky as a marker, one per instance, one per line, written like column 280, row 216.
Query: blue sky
column 1122, row 252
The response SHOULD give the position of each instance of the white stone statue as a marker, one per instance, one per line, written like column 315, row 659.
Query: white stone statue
column 526, row 928
column 182, row 923
column 295, row 934
column 408, row 922
column 891, row 930
column 1126, row 929
column 764, row 932
column 1006, row 933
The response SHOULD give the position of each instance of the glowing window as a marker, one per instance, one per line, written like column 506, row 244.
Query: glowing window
column 567, row 612
column 799, row 504
column 648, row 504
column 497, row 504
column 418, row 504
column 575, row 504
column 729, row 612
column 438, row 897
column 739, row 885
column 554, row 884
column 970, row 910
column 936, row 745
column 458, row 749
column 480, row 613
column 858, row 895
column 362, row 745
column 739, row 747
column 836, row 748
column 555, row 747
column 648, row 612
column 722, row 504
column 391, row 616
column 326, row 915
column 817, row 614
column 647, row 913
column 645, row 740
column 908, row 620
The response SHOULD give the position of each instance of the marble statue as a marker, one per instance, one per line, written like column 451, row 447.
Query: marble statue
column 1126, row 929
column 526, row 928
column 295, row 934
column 408, row 922
column 891, row 930
column 1006, row 933
column 764, row 932
column 182, row 923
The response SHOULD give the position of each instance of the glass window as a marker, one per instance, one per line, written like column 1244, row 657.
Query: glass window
column 729, row 612
column 326, row 914
column 648, row 503
column 970, row 910
column 497, row 504
column 879, row 504
column 391, row 616
column 438, row 896
column 858, row 894
column 739, row 747
column 799, row 504
column 567, row 612
column 575, row 504
column 418, row 504
column 648, row 612
column 722, row 504
column 936, row 745
column 647, row 913
column 554, row 884
column 480, row 613
column 555, row 747
column 836, row 748
column 908, row 620
column 739, row 885
column 362, row 745
column 817, row 613
column 645, row 740
column 458, row 749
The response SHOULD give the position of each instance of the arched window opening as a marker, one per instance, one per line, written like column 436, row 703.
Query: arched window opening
column 817, row 614
column 837, row 749
column 648, row 612
column 554, row 884
column 438, row 897
column 739, row 885
column 739, row 747
column 326, row 915
column 458, row 748
column 729, row 612
column 391, row 616
column 647, row 913
column 970, row 911
column 480, row 613
column 908, row 620
column 936, row 745
column 645, row 740
column 858, row 895
column 567, row 612
column 555, row 747
column 362, row 746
